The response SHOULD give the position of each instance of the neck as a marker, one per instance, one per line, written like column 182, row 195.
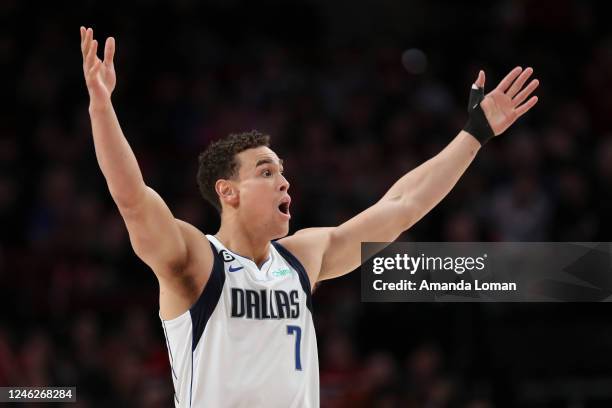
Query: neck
column 237, row 239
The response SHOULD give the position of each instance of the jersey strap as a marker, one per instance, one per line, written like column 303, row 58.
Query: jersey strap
column 297, row 265
column 206, row 303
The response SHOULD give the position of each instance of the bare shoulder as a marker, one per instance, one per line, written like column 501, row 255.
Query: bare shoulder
column 308, row 246
column 179, row 289
column 200, row 256
column 189, row 230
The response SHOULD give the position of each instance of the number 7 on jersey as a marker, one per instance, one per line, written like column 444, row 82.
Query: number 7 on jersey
column 298, row 338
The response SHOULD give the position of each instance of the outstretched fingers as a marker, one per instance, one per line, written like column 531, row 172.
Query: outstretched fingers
column 524, row 108
column 109, row 52
column 509, row 79
column 522, row 96
column 86, row 37
column 91, row 55
column 520, row 81
column 83, row 37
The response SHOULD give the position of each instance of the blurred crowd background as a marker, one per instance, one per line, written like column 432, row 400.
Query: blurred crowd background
column 354, row 94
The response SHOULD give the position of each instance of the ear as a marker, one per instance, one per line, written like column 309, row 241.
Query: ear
column 228, row 192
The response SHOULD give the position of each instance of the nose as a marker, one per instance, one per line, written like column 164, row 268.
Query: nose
column 284, row 184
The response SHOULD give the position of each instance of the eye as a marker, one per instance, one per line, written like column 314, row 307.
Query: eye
column 266, row 173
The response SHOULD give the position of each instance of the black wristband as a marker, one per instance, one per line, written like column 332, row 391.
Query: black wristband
column 477, row 124
column 476, row 96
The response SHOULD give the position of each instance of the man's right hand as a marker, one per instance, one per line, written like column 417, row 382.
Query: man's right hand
column 99, row 75
column 178, row 253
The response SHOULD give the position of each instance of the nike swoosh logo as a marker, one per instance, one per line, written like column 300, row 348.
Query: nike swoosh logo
column 232, row 269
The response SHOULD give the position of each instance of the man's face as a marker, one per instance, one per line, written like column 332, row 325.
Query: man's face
column 262, row 189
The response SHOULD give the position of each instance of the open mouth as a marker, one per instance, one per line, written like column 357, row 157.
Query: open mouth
column 284, row 206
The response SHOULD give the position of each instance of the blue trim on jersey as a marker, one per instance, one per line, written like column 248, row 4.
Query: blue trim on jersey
column 297, row 265
column 169, row 351
column 206, row 303
column 191, row 383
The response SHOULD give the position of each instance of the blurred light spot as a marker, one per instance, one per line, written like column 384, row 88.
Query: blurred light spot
column 415, row 61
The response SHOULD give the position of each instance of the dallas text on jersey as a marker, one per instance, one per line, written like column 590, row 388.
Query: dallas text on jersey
column 273, row 304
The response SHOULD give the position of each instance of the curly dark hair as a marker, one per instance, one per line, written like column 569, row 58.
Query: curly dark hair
column 218, row 161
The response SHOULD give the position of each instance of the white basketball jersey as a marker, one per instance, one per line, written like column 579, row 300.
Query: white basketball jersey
column 249, row 340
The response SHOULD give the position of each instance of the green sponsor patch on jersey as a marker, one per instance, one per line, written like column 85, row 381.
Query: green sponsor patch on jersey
column 281, row 272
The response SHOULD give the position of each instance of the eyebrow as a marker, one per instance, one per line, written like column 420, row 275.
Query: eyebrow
column 268, row 161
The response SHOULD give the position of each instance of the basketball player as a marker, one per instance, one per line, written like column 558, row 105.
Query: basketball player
column 236, row 306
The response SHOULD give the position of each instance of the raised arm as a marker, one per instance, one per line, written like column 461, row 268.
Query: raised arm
column 156, row 236
column 337, row 251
